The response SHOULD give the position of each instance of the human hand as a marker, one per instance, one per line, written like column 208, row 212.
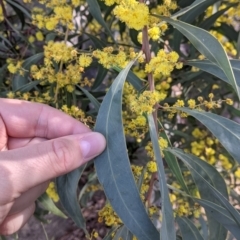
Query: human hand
column 37, row 143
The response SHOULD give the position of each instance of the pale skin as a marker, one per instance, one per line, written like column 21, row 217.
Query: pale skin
column 38, row 143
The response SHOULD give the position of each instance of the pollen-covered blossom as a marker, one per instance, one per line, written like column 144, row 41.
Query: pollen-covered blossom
column 108, row 59
column 15, row 66
column 154, row 33
column 163, row 144
column 51, row 192
column 152, row 166
column 133, row 13
column 84, row 60
column 163, row 63
column 62, row 13
column 145, row 102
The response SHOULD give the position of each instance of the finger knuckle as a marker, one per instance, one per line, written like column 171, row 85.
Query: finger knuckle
column 63, row 155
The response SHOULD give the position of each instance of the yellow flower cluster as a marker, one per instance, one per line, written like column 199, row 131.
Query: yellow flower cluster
column 237, row 173
column 152, row 166
column 51, row 192
column 205, row 148
column 208, row 104
column 108, row 58
column 108, row 216
column 79, row 114
column 59, row 52
column 154, row 32
column 35, row 96
column 62, row 13
column 146, row 101
column 15, row 66
column 228, row 46
column 135, row 125
column 163, row 64
column 163, row 144
column 181, row 205
column 165, row 8
column 133, row 13
column 229, row 17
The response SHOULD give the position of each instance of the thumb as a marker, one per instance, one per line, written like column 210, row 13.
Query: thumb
column 26, row 167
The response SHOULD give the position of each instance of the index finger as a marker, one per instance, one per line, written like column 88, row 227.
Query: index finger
column 27, row 119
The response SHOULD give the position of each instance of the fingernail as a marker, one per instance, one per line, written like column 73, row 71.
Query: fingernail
column 92, row 144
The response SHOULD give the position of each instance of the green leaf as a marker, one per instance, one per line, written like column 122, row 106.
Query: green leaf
column 97, row 42
column 238, row 46
column 168, row 228
column 6, row 40
column 132, row 78
column 20, row 81
column 186, row 9
column 93, row 100
column 123, row 233
column 3, row 71
column 67, row 190
column 28, row 87
column 20, row 7
column 109, row 234
column 49, row 205
column 189, row 17
column 188, row 229
column 211, row 175
column 208, row 22
column 208, row 45
column 221, row 215
column 173, row 163
column 96, row 12
column 207, row 189
column 228, row 31
column 204, row 227
column 207, row 66
column 32, row 60
column 20, row 15
column 225, row 130
column 113, row 166
column 102, row 72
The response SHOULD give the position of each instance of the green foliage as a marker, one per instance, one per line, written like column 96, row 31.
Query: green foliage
column 160, row 95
